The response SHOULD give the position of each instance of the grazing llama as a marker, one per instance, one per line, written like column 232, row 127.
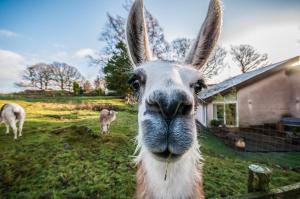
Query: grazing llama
column 168, row 150
column 106, row 117
column 10, row 114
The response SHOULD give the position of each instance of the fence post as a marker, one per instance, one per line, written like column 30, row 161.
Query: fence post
column 259, row 178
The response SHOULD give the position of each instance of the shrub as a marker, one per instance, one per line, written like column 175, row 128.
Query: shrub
column 76, row 88
column 215, row 123
column 99, row 92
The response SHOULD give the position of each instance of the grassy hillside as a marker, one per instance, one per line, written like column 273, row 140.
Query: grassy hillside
column 62, row 154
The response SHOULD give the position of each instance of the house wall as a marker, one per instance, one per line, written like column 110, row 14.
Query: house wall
column 264, row 101
column 200, row 114
column 294, row 78
column 268, row 99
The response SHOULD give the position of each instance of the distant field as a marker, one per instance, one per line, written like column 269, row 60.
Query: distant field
column 62, row 154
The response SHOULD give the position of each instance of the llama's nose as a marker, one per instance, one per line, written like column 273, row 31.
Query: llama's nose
column 176, row 103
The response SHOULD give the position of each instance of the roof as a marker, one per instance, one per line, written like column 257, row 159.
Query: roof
column 237, row 80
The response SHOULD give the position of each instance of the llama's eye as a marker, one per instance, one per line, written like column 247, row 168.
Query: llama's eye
column 136, row 85
column 198, row 86
column 134, row 82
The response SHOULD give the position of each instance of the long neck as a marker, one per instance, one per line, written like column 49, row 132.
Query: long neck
column 183, row 178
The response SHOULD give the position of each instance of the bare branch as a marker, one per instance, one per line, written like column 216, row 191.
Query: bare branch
column 215, row 64
column 247, row 57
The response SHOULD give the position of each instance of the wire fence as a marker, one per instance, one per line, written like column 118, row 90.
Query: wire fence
column 264, row 138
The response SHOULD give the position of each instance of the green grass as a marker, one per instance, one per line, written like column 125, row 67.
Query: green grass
column 226, row 172
column 62, row 154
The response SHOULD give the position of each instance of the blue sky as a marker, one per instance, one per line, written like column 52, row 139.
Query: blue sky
column 65, row 30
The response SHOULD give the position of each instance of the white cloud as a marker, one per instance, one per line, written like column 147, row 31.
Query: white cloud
column 11, row 66
column 7, row 33
column 84, row 52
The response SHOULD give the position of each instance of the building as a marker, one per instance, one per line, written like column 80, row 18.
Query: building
column 265, row 95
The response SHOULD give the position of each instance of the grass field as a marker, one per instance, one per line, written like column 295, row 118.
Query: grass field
column 62, row 154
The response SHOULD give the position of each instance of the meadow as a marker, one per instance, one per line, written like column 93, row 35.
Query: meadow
column 63, row 155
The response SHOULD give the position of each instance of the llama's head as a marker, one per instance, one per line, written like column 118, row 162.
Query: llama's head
column 113, row 115
column 166, row 90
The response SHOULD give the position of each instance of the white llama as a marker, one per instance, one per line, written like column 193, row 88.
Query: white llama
column 107, row 117
column 11, row 114
column 168, row 150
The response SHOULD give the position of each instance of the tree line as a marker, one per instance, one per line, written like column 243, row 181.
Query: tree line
column 44, row 76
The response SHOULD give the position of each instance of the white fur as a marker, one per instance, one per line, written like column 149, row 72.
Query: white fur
column 183, row 173
column 9, row 118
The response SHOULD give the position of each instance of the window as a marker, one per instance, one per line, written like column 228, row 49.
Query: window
column 230, row 112
column 226, row 113
column 219, row 112
column 225, row 108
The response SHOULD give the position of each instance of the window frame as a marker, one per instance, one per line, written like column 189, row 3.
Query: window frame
column 224, row 103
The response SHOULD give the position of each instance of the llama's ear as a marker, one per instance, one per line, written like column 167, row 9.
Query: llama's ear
column 136, row 33
column 207, row 37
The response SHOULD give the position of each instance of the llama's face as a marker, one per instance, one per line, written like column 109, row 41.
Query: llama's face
column 166, row 91
column 166, row 107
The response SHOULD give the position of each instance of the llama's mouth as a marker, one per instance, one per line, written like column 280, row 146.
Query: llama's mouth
column 166, row 140
column 162, row 156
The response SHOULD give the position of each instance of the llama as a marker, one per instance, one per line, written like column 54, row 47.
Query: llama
column 107, row 117
column 10, row 114
column 168, row 156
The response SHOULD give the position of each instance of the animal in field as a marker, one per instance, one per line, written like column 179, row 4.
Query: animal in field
column 106, row 118
column 10, row 115
column 168, row 156
column 240, row 144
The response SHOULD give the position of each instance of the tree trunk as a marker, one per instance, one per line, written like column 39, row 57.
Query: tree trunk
column 259, row 178
column 62, row 85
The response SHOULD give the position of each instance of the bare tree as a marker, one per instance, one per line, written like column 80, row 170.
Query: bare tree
column 215, row 63
column 157, row 41
column 87, row 86
column 179, row 48
column 247, row 57
column 47, row 74
column 37, row 76
column 64, row 75
column 114, row 33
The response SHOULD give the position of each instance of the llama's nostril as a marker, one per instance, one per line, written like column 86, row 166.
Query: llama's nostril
column 171, row 109
column 153, row 106
column 185, row 109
